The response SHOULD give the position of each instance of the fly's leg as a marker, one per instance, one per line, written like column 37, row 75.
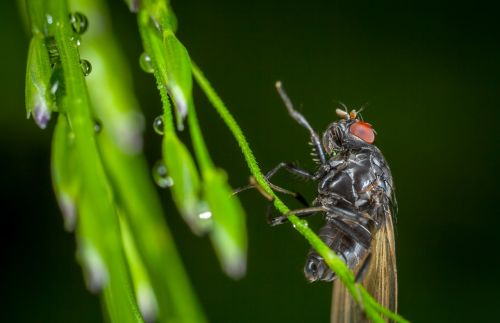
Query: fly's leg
column 349, row 216
column 302, row 121
column 291, row 168
column 301, row 213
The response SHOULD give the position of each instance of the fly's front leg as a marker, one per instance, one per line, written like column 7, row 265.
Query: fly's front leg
column 302, row 121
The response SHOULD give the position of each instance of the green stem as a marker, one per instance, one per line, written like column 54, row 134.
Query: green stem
column 153, row 44
column 199, row 146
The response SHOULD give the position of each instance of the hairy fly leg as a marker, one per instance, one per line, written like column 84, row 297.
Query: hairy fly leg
column 302, row 121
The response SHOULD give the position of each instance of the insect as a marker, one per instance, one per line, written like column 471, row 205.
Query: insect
column 356, row 198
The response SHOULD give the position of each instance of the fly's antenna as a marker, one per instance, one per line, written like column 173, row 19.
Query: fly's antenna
column 301, row 120
column 363, row 107
column 342, row 113
column 343, row 106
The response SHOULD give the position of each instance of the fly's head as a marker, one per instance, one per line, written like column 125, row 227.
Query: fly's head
column 347, row 133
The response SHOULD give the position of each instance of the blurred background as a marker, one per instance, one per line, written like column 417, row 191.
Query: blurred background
column 429, row 75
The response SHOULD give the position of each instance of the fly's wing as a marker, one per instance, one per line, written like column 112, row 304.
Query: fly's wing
column 380, row 279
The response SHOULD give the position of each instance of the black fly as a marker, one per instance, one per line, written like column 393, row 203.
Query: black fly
column 356, row 196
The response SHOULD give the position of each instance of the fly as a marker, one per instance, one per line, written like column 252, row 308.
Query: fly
column 356, row 198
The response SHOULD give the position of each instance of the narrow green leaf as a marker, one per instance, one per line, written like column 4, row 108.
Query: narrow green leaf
column 161, row 14
column 178, row 69
column 101, row 254
column 229, row 233
column 229, row 236
column 144, row 293
column 38, row 72
column 65, row 179
column 186, row 183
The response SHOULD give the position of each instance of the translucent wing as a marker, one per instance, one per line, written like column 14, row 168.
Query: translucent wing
column 380, row 279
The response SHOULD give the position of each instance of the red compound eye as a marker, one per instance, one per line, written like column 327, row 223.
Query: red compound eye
column 363, row 131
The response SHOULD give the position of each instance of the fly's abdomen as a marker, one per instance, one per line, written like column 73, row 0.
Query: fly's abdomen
column 350, row 250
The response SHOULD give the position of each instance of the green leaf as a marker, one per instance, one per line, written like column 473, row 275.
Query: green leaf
column 161, row 14
column 38, row 72
column 144, row 293
column 228, row 234
column 186, row 182
column 178, row 69
column 65, row 179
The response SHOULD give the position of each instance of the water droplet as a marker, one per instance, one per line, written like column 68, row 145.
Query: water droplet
column 204, row 212
column 158, row 125
column 76, row 40
column 86, row 67
column 50, row 20
column 79, row 22
column 97, row 126
column 145, row 63
column 54, row 87
column 160, row 175
column 205, row 215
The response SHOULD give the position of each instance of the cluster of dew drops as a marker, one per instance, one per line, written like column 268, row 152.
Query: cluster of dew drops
column 79, row 24
column 160, row 172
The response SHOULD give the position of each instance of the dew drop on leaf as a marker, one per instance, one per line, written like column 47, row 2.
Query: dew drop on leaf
column 86, row 67
column 79, row 22
column 158, row 125
column 160, row 175
column 97, row 126
column 145, row 63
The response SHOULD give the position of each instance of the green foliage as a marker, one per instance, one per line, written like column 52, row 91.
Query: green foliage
column 101, row 178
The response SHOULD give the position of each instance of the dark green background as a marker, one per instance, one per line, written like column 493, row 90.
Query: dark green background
column 431, row 76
